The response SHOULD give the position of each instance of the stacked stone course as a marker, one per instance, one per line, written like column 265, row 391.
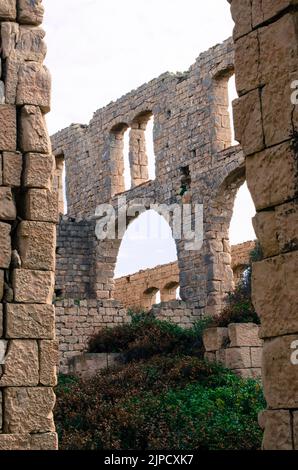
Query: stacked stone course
column 28, row 214
column 266, row 125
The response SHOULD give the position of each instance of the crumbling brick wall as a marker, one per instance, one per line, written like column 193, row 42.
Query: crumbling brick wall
column 266, row 124
column 140, row 289
column 28, row 214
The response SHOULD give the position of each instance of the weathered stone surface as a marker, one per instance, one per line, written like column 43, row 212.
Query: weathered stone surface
column 22, row 43
column 5, row 246
column 277, row 107
column 280, row 374
column 271, row 176
column 215, row 338
column 241, row 13
column 251, row 373
column 287, row 226
column 1, row 284
column 247, row 63
column 264, row 10
column 33, row 133
column 278, row 432
column 12, row 168
column 210, row 356
column 36, row 245
column 38, row 171
column 48, row 360
column 41, row 205
column 1, row 320
column 30, row 12
column 244, row 334
column 30, row 321
column 34, row 86
column 21, row 366
column 256, row 357
column 248, row 122
column 238, row 358
column 7, row 205
column 266, row 230
column 8, row 10
column 19, row 442
column 278, row 49
column 33, row 286
column 276, row 301
column 28, row 410
column 8, row 121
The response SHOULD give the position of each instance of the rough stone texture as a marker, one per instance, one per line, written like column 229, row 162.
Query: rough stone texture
column 94, row 160
column 33, row 133
column 36, row 245
column 237, row 347
column 87, row 365
column 38, row 171
column 8, row 10
column 246, row 334
column 34, row 86
column 21, row 366
column 268, row 138
column 30, row 12
column 41, row 205
column 8, row 121
column 48, row 360
column 30, row 321
column 28, row 410
column 12, row 168
column 7, row 204
column 5, row 245
column 33, row 286
column 215, row 338
column 35, row 442
column 278, row 433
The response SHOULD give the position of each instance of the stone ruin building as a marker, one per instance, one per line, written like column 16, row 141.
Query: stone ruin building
column 195, row 163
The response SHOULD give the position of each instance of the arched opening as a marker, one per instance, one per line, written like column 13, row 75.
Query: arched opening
column 170, row 291
column 118, row 159
column 241, row 227
column 151, row 296
column 59, row 183
column 232, row 92
column 141, row 149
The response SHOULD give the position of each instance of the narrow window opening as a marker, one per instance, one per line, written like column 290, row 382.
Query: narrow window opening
column 232, row 92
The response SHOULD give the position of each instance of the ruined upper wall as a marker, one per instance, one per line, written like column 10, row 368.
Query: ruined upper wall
column 191, row 124
column 28, row 213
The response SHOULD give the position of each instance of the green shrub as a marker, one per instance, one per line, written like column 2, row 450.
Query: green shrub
column 146, row 336
column 161, row 403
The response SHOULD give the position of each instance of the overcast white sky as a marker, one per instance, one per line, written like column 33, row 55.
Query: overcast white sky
column 99, row 50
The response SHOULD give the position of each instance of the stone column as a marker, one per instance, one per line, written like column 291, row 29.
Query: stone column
column 266, row 124
column 28, row 214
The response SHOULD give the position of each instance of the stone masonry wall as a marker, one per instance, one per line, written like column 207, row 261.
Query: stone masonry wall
column 237, row 347
column 195, row 164
column 266, row 124
column 28, row 214
column 77, row 321
column 139, row 289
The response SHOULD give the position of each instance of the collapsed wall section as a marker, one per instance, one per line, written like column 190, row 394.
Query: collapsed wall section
column 28, row 214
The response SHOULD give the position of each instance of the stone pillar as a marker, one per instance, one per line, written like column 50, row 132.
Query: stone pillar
column 58, row 183
column 137, row 154
column 28, row 214
column 266, row 124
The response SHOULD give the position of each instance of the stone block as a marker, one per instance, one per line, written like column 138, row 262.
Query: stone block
column 280, row 374
column 21, row 442
column 271, row 176
column 8, row 121
column 12, row 168
column 1, row 284
column 252, row 373
column 48, row 360
column 1, row 320
column 264, row 10
column 266, row 230
column 287, row 226
column 238, row 358
column 247, row 63
column 41, row 205
column 33, row 287
column 8, row 10
column 28, row 410
column 241, row 13
column 33, row 132
column 30, row 12
column 248, row 122
column 34, row 86
column 276, row 301
column 5, row 245
column 39, row 170
column 277, row 427
column 215, row 338
column 30, row 321
column 22, row 43
column 21, row 367
column 45, row 441
column 36, row 243
column 256, row 357
column 244, row 334
column 7, row 205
